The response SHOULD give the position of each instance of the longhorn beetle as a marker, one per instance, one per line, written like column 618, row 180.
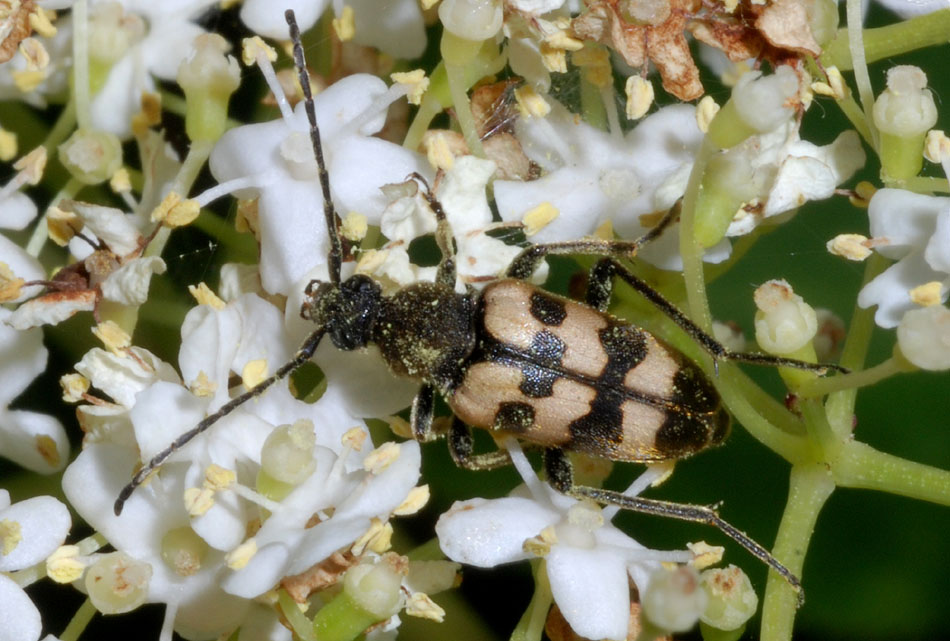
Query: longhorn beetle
column 557, row 374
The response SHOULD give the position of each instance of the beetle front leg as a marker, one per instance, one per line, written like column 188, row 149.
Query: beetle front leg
column 420, row 416
column 561, row 477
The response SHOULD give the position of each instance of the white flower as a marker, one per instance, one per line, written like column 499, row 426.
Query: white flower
column 189, row 552
column 165, row 42
column 910, row 8
column 395, row 27
column 277, row 159
column 593, row 177
column 588, row 560
column 479, row 258
column 914, row 230
column 36, row 441
column 30, row 530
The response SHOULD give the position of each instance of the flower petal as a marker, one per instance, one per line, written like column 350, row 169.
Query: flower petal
column 19, row 618
column 591, row 589
column 43, row 523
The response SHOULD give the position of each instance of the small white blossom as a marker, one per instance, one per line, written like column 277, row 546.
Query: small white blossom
column 30, row 531
column 589, row 562
column 276, row 158
column 36, row 441
column 395, row 27
column 914, row 230
column 593, row 177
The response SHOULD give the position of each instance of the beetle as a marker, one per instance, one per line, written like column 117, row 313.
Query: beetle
column 559, row 375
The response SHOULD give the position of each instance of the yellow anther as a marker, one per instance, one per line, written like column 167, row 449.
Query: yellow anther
column 254, row 373
column 539, row 217
column 203, row 294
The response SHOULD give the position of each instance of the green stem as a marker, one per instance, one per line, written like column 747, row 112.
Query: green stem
column 531, row 625
column 892, row 40
column 299, row 623
column 592, row 105
column 840, row 404
column 861, row 76
column 851, row 382
column 463, row 109
column 81, row 91
column 79, row 621
column 861, row 466
column 926, row 185
column 810, row 485
column 749, row 413
column 63, row 126
column 689, row 247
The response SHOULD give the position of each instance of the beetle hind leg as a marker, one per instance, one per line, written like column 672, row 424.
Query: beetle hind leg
column 561, row 477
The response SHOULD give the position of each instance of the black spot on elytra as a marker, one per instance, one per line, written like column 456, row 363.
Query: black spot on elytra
column 514, row 417
column 692, row 389
column 548, row 310
column 602, row 426
column 683, row 433
column 540, row 372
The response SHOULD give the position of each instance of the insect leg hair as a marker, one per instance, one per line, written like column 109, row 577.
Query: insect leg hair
column 560, row 475
column 335, row 254
column 302, row 356
column 528, row 260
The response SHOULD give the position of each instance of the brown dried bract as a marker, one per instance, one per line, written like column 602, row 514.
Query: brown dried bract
column 14, row 25
column 778, row 32
column 321, row 576
column 664, row 44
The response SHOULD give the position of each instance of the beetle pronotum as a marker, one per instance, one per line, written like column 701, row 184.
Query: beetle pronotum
column 557, row 374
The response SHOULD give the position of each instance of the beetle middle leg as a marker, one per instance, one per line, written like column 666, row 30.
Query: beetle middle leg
column 561, row 477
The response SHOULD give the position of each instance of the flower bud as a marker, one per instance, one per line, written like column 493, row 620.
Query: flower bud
column 208, row 77
column 727, row 184
column 822, row 20
column 924, row 337
column 673, row 600
column 183, row 550
column 91, row 156
column 471, row 19
column 758, row 104
column 903, row 113
column 287, row 453
column 784, row 323
column 372, row 592
column 118, row 583
column 731, row 599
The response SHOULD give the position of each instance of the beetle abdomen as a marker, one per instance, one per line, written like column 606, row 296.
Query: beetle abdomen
column 557, row 373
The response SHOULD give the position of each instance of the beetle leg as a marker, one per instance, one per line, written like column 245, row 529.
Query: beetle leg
column 420, row 416
column 528, row 260
column 561, row 477
column 611, row 267
column 600, row 285
column 443, row 235
column 462, row 446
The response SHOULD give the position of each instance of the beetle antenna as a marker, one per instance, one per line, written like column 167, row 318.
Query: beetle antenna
column 335, row 254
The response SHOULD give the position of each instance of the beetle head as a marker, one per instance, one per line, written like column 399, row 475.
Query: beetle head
column 347, row 311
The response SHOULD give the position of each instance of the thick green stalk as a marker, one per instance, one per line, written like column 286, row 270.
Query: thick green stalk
column 895, row 39
column 860, row 465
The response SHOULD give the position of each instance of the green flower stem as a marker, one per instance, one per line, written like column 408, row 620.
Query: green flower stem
column 79, row 621
column 854, row 380
column 63, row 126
column 861, row 466
column 300, row 624
column 892, row 40
column 715, row 634
column 840, row 405
column 463, row 109
column 747, row 411
column 689, row 247
column 926, row 185
column 80, row 80
column 592, row 105
column 342, row 619
column 531, row 625
column 429, row 109
column 862, row 78
column 810, row 485
column 41, row 232
column 197, row 157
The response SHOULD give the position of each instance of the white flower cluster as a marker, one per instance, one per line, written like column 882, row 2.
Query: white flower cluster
column 289, row 495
